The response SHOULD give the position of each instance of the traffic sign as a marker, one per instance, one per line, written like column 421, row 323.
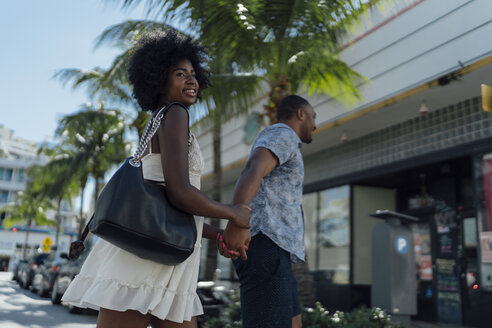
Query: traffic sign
column 46, row 244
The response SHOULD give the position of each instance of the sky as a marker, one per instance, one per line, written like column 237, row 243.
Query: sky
column 39, row 37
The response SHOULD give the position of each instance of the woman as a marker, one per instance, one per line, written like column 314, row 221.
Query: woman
column 165, row 67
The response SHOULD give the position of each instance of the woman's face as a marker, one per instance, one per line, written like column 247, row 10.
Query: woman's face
column 181, row 85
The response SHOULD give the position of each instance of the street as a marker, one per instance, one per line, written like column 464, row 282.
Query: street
column 22, row 308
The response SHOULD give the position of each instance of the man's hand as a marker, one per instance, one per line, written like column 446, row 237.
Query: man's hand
column 237, row 239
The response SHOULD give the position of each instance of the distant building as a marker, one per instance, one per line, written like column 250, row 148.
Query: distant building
column 16, row 155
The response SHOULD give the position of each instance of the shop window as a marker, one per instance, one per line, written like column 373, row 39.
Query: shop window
column 310, row 209
column 483, row 176
column 327, row 235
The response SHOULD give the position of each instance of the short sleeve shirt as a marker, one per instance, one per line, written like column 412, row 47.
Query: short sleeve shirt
column 276, row 208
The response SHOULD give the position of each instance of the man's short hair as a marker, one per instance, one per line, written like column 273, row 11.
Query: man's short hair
column 289, row 106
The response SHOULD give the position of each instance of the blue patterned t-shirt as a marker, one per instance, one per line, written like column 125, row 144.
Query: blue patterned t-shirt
column 276, row 208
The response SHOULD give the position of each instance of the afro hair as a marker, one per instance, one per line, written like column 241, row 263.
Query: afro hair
column 154, row 54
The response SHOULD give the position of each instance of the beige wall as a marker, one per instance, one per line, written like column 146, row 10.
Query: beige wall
column 367, row 200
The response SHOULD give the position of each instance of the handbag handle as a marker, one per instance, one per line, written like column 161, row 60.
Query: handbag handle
column 149, row 131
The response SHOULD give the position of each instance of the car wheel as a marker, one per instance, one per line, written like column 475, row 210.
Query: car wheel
column 55, row 296
column 42, row 291
column 23, row 283
column 74, row 309
column 33, row 288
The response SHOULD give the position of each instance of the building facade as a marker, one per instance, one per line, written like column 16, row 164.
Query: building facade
column 16, row 155
column 419, row 143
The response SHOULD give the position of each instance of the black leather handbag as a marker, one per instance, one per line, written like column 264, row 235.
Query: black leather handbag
column 136, row 215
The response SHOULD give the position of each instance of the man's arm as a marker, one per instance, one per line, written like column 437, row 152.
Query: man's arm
column 261, row 162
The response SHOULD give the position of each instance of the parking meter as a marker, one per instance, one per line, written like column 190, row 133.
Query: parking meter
column 393, row 266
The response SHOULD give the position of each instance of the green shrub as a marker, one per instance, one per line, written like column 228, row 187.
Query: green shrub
column 317, row 317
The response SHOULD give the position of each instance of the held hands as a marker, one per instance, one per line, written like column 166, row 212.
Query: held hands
column 223, row 250
column 236, row 239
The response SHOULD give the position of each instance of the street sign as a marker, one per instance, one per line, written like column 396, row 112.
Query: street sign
column 401, row 244
column 46, row 244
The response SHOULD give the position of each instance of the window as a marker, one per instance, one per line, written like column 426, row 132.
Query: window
column 20, row 175
column 4, row 196
column 327, row 232
column 6, row 174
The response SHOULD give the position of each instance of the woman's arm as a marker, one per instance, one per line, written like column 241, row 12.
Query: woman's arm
column 173, row 145
column 211, row 232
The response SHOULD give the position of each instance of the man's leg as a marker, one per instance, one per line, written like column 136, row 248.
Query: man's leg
column 266, row 295
column 296, row 307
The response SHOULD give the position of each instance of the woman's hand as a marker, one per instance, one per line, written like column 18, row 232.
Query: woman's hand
column 223, row 250
column 241, row 215
column 237, row 239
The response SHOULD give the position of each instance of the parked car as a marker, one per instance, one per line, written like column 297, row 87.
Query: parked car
column 66, row 273
column 27, row 268
column 46, row 273
column 15, row 269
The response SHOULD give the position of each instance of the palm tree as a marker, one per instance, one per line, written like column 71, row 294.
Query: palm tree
column 30, row 208
column 55, row 180
column 294, row 44
column 109, row 85
column 94, row 140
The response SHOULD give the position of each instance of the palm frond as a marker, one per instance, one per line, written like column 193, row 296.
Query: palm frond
column 124, row 35
column 322, row 72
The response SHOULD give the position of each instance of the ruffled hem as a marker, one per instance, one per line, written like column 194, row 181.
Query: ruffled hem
column 161, row 302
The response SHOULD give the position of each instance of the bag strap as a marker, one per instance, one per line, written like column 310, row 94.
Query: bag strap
column 86, row 229
column 77, row 247
column 150, row 129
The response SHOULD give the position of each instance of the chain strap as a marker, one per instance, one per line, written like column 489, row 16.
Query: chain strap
column 149, row 131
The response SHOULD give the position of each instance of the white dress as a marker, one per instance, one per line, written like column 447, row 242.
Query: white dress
column 115, row 279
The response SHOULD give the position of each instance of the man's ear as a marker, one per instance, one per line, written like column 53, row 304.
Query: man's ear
column 300, row 114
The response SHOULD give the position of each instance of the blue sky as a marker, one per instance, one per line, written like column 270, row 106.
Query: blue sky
column 39, row 37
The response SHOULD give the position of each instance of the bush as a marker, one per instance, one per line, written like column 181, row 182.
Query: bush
column 316, row 317
column 360, row 317
column 231, row 316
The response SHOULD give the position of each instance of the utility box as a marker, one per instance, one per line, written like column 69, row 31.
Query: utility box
column 393, row 273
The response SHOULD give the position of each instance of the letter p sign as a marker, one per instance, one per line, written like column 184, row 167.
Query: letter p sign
column 401, row 244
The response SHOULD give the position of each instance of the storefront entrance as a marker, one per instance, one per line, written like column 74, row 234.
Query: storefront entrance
column 442, row 196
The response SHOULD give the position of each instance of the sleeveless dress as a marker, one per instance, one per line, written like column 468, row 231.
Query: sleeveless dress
column 115, row 279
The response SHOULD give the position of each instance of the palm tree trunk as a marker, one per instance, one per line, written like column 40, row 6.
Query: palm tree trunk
column 58, row 223
column 279, row 89
column 305, row 284
column 97, row 187
column 211, row 261
column 28, row 229
column 81, row 211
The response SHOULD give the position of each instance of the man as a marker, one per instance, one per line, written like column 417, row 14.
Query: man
column 271, row 184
